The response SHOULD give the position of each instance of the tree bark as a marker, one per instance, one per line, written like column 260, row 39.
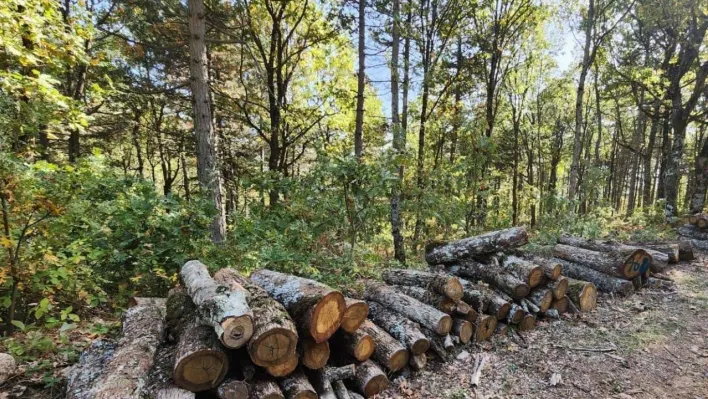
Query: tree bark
column 220, row 306
column 462, row 329
column 160, row 384
column 81, row 376
column 499, row 307
column 439, row 302
column 543, row 298
column 317, row 309
column 603, row 282
column 492, row 275
column 659, row 260
column 274, row 336
column 413, row 309
column 360, row 87
column 370, row 380
column 266, row 388
column 476, row 296
column 442, row 284
column 551, row 270
column 388, row 351
column 701, row 176
column 609, row 263
column 355, row 314
column 401, row 328
column 201, row 363
column 454, row 251
column 232, row 388
column 525, row 271
column 207, row 140
column 516, row 314
column 296, row 386
column 358, row 344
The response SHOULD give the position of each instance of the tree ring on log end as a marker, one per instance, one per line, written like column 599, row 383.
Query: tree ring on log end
column 636, row 264
column 556, row 271
column 588, row 298
column 503, row 311
column 485, row 328
column 453, row 289
column 547, row 300
column 237, row 331
column 364, row 348
column 528, row 323
column 421, row 345
column 560, row 288
column 285, row 368
column 315, row 355
column 466, row 332
column 273, row 346
column 375, row 385
column 444, row 325
column 327, row 316
column 201, row 370
column 536, row 276
column 521, row 290
column 399, row 359
column 354, row 315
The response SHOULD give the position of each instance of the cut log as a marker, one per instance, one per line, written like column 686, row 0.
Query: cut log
column 201, row 362
column 160, row 384
column 499, row 307
column 463, row 330
column 603, row 282
column 224, row 308
column 142, row 301
column 284, row 368
column 552, row 270
column 266, row 388
column 501, row 329
column 340, row 390
column 355, row 314
column 388, row 352
column 314, row 355
column 296, row 386
column 418, row 362
column 475, row 295
column 659, row 260
column 530, row 307
column 582, row 293
column 484, row 327
column 317, row 309
column 370, row 380
column 413, row 309
column 439, row 302
column 124, row 374
column 492, row 275
column 440, row 345
column 671, row 249
column 495, row 241
column 347, row 372
column 685, row 250
column 232, row 388
column 700, row 245
column 516, row 314
column 542, row 298
column 561, row 305
column 323, row 386
column 274, row 335
column 528, row 322
column 610, row 263
column 522, row 269
column 442, row 284
column 693, row 232
column 81, row 376
column 558, row 287
column 358, row 344
column 401, row 328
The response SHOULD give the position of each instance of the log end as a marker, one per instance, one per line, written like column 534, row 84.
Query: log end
column 237, row 331
column 556, row 271
column 485, row 328
column 444, row 325
column 420, row 345
column 528, row 322
column 521, row 290
column 560, row 288
column 315, row 355
column 273, row 346
column 518, row 316
column 399, row 359
column 588, row 298
column 536, row 276
column 561, row 305
column 364, row 348
column 354, row 315
column 547, row 300
column 284, row 368
column 201, row 370
column 375, row 385
column 503, row 311
column 465, row 332
column 453, row 289
column 635, row 264
column 233, row 388
column 327, row 316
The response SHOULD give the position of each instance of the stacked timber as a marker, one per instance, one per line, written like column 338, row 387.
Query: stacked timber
column 695, row 235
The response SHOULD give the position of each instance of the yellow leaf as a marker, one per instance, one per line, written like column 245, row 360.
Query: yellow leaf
column 6, row 242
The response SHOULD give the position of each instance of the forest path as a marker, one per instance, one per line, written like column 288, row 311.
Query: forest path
column 660, row 342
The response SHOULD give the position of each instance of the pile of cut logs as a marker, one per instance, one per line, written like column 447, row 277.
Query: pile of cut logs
column 696, row 231
column 276, row 335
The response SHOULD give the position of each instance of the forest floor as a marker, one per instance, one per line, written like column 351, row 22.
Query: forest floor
column 652, row 344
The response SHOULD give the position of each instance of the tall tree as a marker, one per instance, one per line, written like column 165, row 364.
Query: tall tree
column 399, row 138
column 360, row 83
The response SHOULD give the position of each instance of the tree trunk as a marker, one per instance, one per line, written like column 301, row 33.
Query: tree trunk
column 274, row 336
column 296, row 386
column 201, row 363
column 491, row 274
column 358, row 344
column 317, row 309
column 701, row 176
column 415, row 310
column 603, row 282
column 466, row 248
column 388, row 351
column 81, row 376
column 355, row 314
column 314, row 355
column 610, row 263
column 659, row 260
column 437, row 301
column 401, row 328
column 220, row 306
column 442, row 284
column 360, row 87
column 582, row 293
column 370, row 380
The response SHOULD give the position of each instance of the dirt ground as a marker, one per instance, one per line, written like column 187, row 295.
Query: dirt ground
column 652, row 344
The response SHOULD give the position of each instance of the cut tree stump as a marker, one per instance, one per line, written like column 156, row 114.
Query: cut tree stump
column 492, row 275
column 358, row 344
column 522, row 269
column 314, row 355
column 558, row 287
column 266, row 388
column 355, row 314
column 609, row 263
column 81, row 376
column 542, row 297
column 415, row 310
column 297, row 386
column 370, row 380
column 317, row 309
column 582, row 293
column 285, row 368
column 125, row 373
column 388, row 352
column 232, row 388
column 659, row 260
column 462, row 329
column 603, row 282
column 448, row 286
column 466, row 248
column 274, row 337
column 400, row 327
column 224, row 308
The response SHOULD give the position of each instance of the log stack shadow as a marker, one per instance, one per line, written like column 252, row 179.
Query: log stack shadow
column 276, row 335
